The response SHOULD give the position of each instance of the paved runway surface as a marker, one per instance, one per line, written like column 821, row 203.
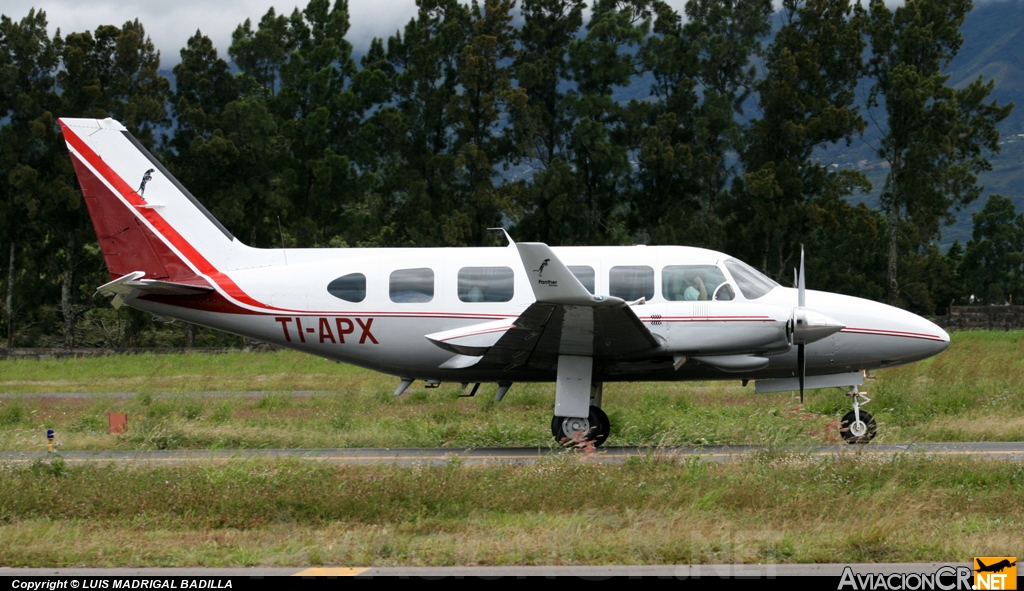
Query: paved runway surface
column 521, row 455
column 683, row 571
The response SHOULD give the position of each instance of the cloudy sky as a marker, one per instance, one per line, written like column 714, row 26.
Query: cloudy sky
column 171, row 22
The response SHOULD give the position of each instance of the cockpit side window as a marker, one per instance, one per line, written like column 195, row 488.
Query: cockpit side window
column 631, row 282
column 680, row 283
column 751, row 282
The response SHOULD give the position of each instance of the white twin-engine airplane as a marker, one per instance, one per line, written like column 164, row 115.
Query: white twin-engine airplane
column 578, row 316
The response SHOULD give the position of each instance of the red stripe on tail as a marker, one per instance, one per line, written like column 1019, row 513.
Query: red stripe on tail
column 126, row 243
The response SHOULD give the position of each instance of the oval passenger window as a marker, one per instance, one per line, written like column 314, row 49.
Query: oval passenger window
column 351, row 287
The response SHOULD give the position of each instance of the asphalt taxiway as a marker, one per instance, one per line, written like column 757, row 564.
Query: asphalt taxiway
column 522, row 455
column 681, row 571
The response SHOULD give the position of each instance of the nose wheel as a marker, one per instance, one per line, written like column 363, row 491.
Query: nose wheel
column 572, row 430
column 858, row 426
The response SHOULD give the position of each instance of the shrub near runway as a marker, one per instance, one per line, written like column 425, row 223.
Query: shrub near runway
column 970, row 392
column 562, row 511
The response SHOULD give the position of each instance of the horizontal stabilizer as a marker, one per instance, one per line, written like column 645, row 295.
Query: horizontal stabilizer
column 133, row 284
column 734, row 363
column 473, row 340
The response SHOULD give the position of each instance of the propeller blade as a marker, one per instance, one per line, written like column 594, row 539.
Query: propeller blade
column 801, row 362
column 801, row 296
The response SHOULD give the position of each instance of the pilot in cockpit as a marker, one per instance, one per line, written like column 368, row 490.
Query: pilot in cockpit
column 696, row 290
column 691, row 283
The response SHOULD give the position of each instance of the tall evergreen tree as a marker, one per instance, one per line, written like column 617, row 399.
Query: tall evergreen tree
column 806, row 100
column 936, row 138
column 425, row 60
column 318, row 114
column 599, row 141
column 993, row 264
column 485, row 98
column 29, row 183
column 703, row 72
column 227, row 148
column 260, row 53
column 540, row 129
column 204, row 86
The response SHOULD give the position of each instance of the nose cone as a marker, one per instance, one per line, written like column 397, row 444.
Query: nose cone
column 901, row 336
column 878, row 335
column 940, row 345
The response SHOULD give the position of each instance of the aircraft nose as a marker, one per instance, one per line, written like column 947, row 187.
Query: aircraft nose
column 882, row 333
column 940, row 345
column 927, row 338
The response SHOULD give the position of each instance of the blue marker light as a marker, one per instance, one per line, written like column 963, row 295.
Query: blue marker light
column 49, row 434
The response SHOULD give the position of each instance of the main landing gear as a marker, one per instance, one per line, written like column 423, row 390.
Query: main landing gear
column 571, row 431
column 858, row 426
column 578, row 416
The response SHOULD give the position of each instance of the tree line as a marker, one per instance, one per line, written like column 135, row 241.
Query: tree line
column 497, row 114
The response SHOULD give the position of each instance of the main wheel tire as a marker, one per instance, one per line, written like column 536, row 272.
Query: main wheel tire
column 858, row 432
column 596, row 428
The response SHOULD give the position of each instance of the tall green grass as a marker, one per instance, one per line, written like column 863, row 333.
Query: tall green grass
column 565, row 510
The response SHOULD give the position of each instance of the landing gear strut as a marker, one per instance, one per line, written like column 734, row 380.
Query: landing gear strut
column 570, row 430
column 858, row 426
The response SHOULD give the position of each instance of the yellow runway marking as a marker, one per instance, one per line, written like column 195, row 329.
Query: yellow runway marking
column 331, row 572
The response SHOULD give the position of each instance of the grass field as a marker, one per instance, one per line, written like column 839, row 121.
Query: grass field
column 971, row 392
column 562, row 510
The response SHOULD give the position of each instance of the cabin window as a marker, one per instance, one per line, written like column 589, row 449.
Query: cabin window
column 412, row 286
column 585, row 274
column 351, row 287
column 486, row 284
column 631, row 282
column 751, row 282
column 690, row 283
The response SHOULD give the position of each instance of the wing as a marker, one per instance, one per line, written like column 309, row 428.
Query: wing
column 565, row 319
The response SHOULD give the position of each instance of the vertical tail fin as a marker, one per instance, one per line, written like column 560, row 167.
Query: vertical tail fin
column 144, row 219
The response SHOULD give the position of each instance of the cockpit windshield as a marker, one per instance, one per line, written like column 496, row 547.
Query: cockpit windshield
column 694, row 283
column 751, row 282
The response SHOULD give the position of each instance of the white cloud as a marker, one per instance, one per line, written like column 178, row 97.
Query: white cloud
column 170, row 24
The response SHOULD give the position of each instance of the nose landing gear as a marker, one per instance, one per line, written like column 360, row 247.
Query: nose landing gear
column 858, row 426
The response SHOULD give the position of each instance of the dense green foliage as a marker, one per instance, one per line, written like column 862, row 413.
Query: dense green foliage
column 503, row 113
